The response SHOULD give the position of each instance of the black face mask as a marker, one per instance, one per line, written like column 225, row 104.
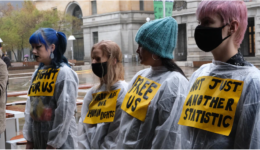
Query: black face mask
column 208, row 38
column 99, row 69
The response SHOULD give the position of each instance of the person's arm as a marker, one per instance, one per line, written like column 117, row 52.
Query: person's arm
column 3, row 84
column 65, row 93
column 248, row 131
column 27, row 127
column 113, row 127
column 169, row 110
column 83, row 142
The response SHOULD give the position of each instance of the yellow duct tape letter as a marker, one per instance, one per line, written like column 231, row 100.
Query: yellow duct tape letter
column 211, row 104
column 44, row 83
column 138, row 98
column 102, row 108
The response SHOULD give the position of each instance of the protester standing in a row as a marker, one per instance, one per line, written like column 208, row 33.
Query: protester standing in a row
column 226, row 112
column 152, row 105
column 218, row 108
column 3, row 92
column 51, row 103
column 101, row 110
column 7, row 61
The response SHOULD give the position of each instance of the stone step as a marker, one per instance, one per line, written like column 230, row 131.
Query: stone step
column 184, row 63
column 255, row 63
column 251, row 58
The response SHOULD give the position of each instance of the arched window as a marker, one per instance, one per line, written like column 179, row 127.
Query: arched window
column 77, row 12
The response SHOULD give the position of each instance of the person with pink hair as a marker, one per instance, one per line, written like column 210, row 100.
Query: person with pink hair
column 222, row 108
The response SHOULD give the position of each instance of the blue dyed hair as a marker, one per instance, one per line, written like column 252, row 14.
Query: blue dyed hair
column 48, row 36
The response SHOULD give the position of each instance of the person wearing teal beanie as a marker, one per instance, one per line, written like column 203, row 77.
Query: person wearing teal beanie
column 155, row 95
column 159, row 37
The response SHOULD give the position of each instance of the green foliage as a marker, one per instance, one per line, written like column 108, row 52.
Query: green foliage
column 17, row 25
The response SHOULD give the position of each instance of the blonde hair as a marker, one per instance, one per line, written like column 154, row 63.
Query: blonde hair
column 115, row 72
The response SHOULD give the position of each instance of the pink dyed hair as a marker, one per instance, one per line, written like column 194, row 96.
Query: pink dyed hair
column 228, row 10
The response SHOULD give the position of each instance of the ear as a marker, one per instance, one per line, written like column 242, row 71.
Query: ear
column 115, row 61
column 233, row 27
column 53, row 47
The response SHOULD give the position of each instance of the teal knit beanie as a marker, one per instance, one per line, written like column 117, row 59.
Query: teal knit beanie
column 159, row 36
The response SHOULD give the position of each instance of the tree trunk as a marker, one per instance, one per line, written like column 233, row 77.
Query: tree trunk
column 19, row 55
column 14, row 54
column 22, row 51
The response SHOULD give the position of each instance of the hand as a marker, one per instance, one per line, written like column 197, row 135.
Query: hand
column 50, row 147
column 29, row 145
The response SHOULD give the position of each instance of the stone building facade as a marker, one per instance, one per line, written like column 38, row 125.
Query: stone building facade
column 119, row 21
column 114, row 20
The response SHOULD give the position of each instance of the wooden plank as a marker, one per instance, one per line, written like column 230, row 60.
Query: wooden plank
column 16, row 103
column 85, row 86
column 19, row 140
column 8, row 115
column 15, row 94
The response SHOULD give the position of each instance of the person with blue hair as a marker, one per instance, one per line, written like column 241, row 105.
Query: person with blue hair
column 51, row 103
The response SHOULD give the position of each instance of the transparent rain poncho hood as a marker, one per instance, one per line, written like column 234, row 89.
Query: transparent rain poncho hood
column 49, row 120
column 100, row 135
column 245, row 131
column 160, row 127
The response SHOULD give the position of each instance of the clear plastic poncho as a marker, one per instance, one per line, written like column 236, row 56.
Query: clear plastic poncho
column 245, row 133
column 49, row 120
column 159, row 130
column 100, row 135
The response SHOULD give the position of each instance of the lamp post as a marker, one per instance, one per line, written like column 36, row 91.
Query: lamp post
column 1, row 41
column 71, row 38
column 148, row 19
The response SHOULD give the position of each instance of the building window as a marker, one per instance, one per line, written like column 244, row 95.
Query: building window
column 95, row 37
column 179, row 5
column 141, row 4
column 180, row 52
column 247, row 47
column 77, row 12
column 94, row 7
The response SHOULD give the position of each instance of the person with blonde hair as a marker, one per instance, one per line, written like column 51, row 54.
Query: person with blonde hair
column 222, row 108
column 101, row 112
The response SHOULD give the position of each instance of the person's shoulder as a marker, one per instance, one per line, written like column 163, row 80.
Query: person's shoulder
column 252, row 73
column 176, row 78
column 202, row 68
column 3, row 66
column 122, row 84
column 64, row 68
column 143, row 71
column 139, row 73
column 2, row 62
column 66, row 73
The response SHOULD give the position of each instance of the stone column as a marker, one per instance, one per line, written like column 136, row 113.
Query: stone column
column 257, row 33
column 68, row 53
column 87, row 44
column 192, row 3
